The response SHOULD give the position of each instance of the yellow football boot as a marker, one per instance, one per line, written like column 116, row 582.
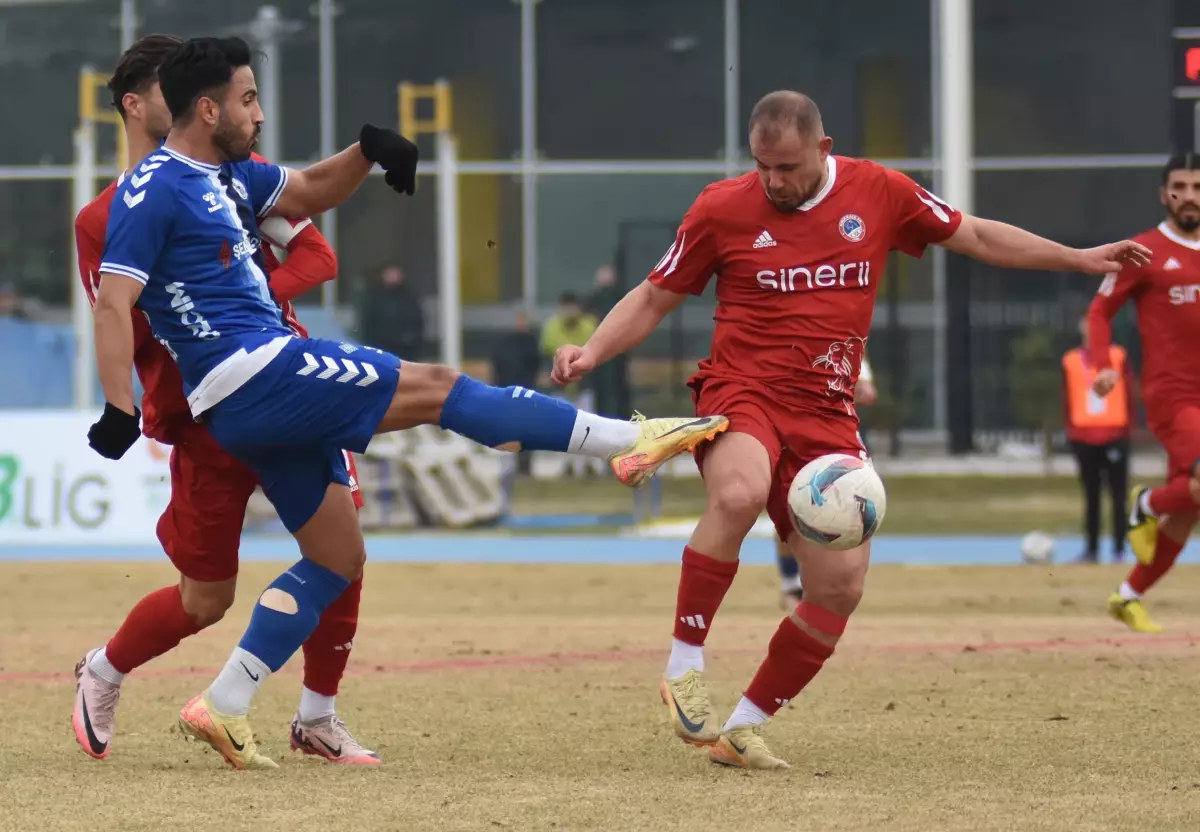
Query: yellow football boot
column 1143, row 529
column 745, row 747
column 660, row 441
column 689, row 708
column 230, row 736
column 1132, row 613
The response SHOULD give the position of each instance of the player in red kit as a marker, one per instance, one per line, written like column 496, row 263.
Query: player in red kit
column 1166, row 294
column 798, row 248
column 202, row 525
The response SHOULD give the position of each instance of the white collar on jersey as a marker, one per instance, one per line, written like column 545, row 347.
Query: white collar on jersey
column 830, row 178
column 187, row 160
column 1170, row 234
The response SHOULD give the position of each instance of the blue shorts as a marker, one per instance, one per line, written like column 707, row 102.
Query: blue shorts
column 291, row 421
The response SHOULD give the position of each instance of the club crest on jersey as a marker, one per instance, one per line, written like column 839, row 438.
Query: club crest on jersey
column 241, row 189
column 852, row 227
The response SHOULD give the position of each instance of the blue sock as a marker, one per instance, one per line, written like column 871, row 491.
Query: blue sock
column 493, row 416
column 273, row 636
column 285, row 616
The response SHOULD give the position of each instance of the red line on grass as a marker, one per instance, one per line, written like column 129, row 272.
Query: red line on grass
column 483, row 662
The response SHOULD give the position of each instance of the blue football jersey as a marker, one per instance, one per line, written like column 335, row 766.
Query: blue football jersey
column 188, row 231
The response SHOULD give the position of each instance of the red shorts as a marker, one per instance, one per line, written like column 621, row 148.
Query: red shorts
column 792, row 438
column 201, row 529
column 1180, row 437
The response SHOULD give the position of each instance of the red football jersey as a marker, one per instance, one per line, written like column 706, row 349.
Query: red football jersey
column 1166, row 294
column 310, row 262
column 796, row 291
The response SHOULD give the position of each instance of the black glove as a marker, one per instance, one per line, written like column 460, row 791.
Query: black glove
column 394, row 153
column 115, row 432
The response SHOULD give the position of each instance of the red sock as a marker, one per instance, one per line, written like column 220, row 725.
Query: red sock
column 1166, row 550
column 793, row 658
column 155, row 625
column 328, row 648
column 703, row 582
column 1173, row 498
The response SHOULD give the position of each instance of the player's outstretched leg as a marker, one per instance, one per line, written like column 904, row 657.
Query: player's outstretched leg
column 1125, row 605
column 737, row 480
column 802, row 644
column 316, row 728
column 323, row 392
column 516, row 418
column 791, row 590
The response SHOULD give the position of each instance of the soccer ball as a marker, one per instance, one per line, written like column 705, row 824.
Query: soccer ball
column 1037, row 547
column 837, row 501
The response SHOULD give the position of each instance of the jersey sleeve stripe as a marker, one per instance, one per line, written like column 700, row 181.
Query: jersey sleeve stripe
column 125, row 271
column 678, row 254
column 270, row 203
column 666, row 258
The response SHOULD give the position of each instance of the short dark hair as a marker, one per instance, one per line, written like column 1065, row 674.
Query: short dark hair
column 1180, row 161
column 200, row 68
column 568, row 298
column 137, row 69
column 787, row 108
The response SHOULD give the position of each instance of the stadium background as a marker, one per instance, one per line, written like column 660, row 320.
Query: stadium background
column 584, row 128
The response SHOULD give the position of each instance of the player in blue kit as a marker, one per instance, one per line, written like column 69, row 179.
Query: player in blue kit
column 182, row 246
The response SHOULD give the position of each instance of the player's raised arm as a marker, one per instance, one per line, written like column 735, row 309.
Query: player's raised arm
column 330, row 182
column 685, row 269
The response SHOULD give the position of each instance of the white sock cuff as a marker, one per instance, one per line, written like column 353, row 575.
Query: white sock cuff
column 684, row 657
column 601, row 437
column 315, row 705
column 1128, row 593
column 746, row 713
column 102, row 667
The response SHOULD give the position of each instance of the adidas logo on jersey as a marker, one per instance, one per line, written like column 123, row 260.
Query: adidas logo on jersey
column 765, row 240
column 1171, row 265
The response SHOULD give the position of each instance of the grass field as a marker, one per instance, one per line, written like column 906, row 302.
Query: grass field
column 916, row 504
column 524, row 698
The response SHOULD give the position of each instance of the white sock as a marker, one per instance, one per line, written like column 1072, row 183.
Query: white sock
column 684, row 657
column 790, row 584
column 746, row 713
column 101, row 666
column 601, row 437
column 237, row 683
column 1128, row 593
column 1144, row 504
column 315, row 705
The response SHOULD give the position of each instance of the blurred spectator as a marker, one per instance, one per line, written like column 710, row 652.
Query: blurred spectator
column 516, row 356
column 516, row 359
column 390, row 316
column 1098, row 431
column 570, row 325
column 610, row 381
column 11, row 305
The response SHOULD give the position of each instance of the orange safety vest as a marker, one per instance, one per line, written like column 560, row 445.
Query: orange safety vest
column 1086, row 408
